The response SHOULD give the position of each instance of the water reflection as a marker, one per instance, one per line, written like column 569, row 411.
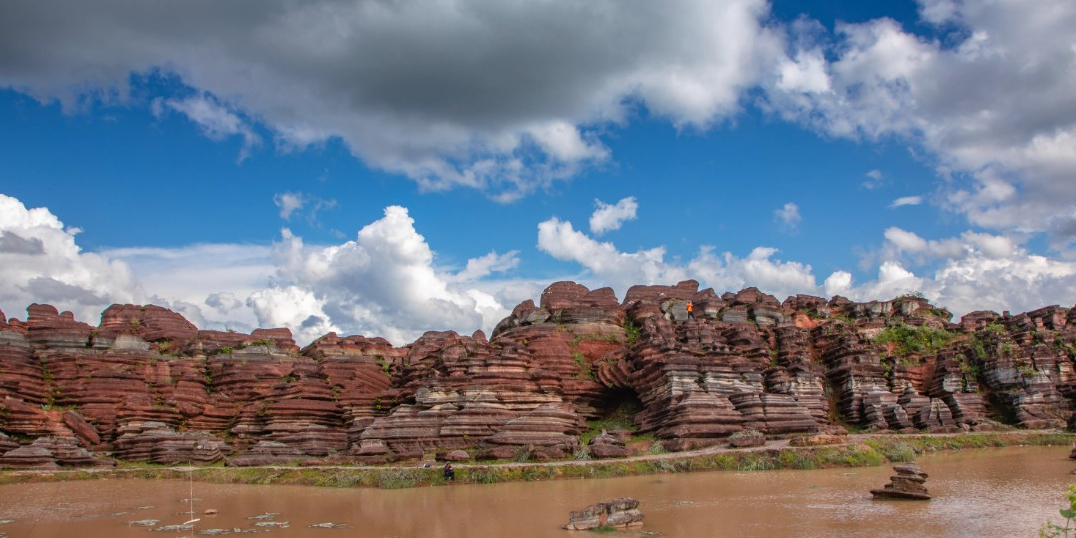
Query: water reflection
column 989, row 492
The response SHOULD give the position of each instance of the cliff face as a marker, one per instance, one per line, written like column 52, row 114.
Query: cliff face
column 147, row 385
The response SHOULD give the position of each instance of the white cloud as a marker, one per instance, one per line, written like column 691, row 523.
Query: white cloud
column 893, row 280
column 875, row 179
column 216, row 120
column 788, row 216
column 564, row 142
column 289, row 202
column 207, row 283
column 1019, row 282
column 620, row 270
column 991, row 100
column 610, row 217
column 383, row 283
column 730, row 273
column 906, row 200
column 474, row 93
column 838, row 283
column 969, row 244
column 41, row 262
column 479, row 268
column 974, row 271
column 293, row 307
column 806, row 73
column 223, row 301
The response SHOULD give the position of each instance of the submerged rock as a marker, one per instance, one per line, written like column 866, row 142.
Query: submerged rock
column 173, row 528
column 621, row 512
column 908, row 484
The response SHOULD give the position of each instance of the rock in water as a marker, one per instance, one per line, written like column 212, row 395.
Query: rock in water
column 908, row 484
column 621, row 512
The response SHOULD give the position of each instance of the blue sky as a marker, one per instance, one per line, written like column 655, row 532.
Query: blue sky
column 387, row 168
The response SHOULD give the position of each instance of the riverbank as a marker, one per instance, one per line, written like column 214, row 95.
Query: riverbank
column 859, row 450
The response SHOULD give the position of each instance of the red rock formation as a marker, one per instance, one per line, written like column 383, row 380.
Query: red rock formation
column 49, row 453
column 7, row 444
column 743, row 361
column 622, row 512
column 150, row 323
column 156, row 442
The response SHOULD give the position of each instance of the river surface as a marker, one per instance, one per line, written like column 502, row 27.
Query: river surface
column 985, row 492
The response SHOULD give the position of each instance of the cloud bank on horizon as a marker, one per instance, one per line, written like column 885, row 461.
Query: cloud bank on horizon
column 513, row 99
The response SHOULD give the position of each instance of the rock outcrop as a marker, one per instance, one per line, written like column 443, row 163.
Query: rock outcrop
column 50, row 453
column 906, row 485
column 147, row 385
column 617, row 513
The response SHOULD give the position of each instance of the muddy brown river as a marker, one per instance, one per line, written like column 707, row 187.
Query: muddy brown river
column 977, row 493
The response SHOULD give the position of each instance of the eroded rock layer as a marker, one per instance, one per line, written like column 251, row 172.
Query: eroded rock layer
column 147, row 385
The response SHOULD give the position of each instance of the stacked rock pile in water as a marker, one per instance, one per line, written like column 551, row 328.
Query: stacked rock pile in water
column 908, row 484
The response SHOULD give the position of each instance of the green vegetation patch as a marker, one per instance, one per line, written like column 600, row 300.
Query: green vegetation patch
column 632, row 332
column 908, row 339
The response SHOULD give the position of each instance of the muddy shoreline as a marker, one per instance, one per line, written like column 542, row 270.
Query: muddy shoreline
column 858, row 450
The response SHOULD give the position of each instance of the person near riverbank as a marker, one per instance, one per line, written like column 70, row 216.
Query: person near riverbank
column 450, row 474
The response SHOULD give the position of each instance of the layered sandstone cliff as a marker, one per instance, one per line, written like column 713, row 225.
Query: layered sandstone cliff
column 147, row 385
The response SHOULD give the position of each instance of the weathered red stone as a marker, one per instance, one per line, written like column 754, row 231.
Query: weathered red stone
column 743, row 361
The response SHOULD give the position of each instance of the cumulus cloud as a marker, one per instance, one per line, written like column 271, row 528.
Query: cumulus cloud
column 788, row 217
column 620, row 270
column 207, row 283
column 900, row 242
column 727, row 272
column 974, row 271
column 990, row 100
column 1019, row 282
column 892, row 280
column 431, row 109
column 610, row 217
column 294, row 307
column 13, row 243
column 41, row 262
column 384, row 283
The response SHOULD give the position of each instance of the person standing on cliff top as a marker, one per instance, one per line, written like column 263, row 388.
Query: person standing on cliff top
column 690, row 310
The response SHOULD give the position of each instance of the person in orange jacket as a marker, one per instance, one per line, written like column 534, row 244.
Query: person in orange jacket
column 690, row 310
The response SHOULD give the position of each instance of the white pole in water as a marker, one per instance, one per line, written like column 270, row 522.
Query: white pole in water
column 190, row 474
